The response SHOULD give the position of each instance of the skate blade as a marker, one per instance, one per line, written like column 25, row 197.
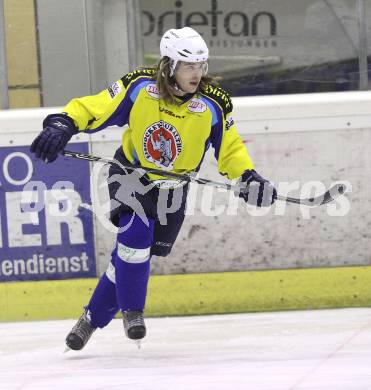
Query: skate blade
column 138, row 343
column 66, row 350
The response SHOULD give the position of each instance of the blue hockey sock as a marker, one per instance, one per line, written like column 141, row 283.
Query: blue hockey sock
column 132, row 262
column 103, row 304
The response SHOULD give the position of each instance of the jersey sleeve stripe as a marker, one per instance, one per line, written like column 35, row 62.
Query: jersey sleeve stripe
column 136, row 90
column 207, row 145
column 216, row 138
column 136, row 158
column 217, row 124
column 120, row 116
column 212, row 107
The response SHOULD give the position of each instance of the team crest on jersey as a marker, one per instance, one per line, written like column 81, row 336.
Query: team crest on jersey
column 196, row 105
column 153, row 91
column 162, row 144
column 114, row 89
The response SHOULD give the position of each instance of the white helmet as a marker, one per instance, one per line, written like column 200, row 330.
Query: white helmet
column 183, row 44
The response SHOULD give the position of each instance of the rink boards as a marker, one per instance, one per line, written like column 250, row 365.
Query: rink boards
column 226, row 292
column 228, row 257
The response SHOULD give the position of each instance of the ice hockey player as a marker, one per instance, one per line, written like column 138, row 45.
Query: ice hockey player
column 174, row 112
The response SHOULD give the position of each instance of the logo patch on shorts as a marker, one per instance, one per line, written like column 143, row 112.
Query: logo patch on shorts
column 161, row 243
column 196, row 105
column 114, row 89
column 162, row 144
column 153, row 91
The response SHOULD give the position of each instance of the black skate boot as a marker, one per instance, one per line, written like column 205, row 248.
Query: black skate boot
column 134, row 326
column 80, row 333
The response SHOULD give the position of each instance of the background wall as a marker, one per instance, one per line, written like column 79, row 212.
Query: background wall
column 58, row 50
column 85, row 54
column 22, row 53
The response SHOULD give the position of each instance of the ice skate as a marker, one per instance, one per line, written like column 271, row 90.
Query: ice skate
column 80, row 334
column 134, row 326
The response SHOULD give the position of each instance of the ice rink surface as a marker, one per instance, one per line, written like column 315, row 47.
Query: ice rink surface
column 311, row 350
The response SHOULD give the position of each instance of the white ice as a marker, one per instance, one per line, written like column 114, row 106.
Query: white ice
column 301, row 350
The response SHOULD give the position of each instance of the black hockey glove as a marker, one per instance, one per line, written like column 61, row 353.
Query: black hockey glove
column 58, row 130
column 256, row 190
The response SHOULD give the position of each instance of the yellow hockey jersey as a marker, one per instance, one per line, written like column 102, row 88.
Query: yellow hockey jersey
column 171, row 137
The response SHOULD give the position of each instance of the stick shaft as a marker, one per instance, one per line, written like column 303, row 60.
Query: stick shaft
column 179, row 176
column 328, row 196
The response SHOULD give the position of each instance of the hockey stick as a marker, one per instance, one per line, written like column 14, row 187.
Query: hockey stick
column 328, row 196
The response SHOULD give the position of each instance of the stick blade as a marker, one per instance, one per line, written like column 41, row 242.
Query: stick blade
column 331, row 194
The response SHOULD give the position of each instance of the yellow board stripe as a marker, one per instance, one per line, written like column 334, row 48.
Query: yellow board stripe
column 226, row 292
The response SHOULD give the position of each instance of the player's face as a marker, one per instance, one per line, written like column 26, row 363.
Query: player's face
column 188, row 75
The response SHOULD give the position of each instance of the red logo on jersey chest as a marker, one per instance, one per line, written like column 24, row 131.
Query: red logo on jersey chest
column 162, row 144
